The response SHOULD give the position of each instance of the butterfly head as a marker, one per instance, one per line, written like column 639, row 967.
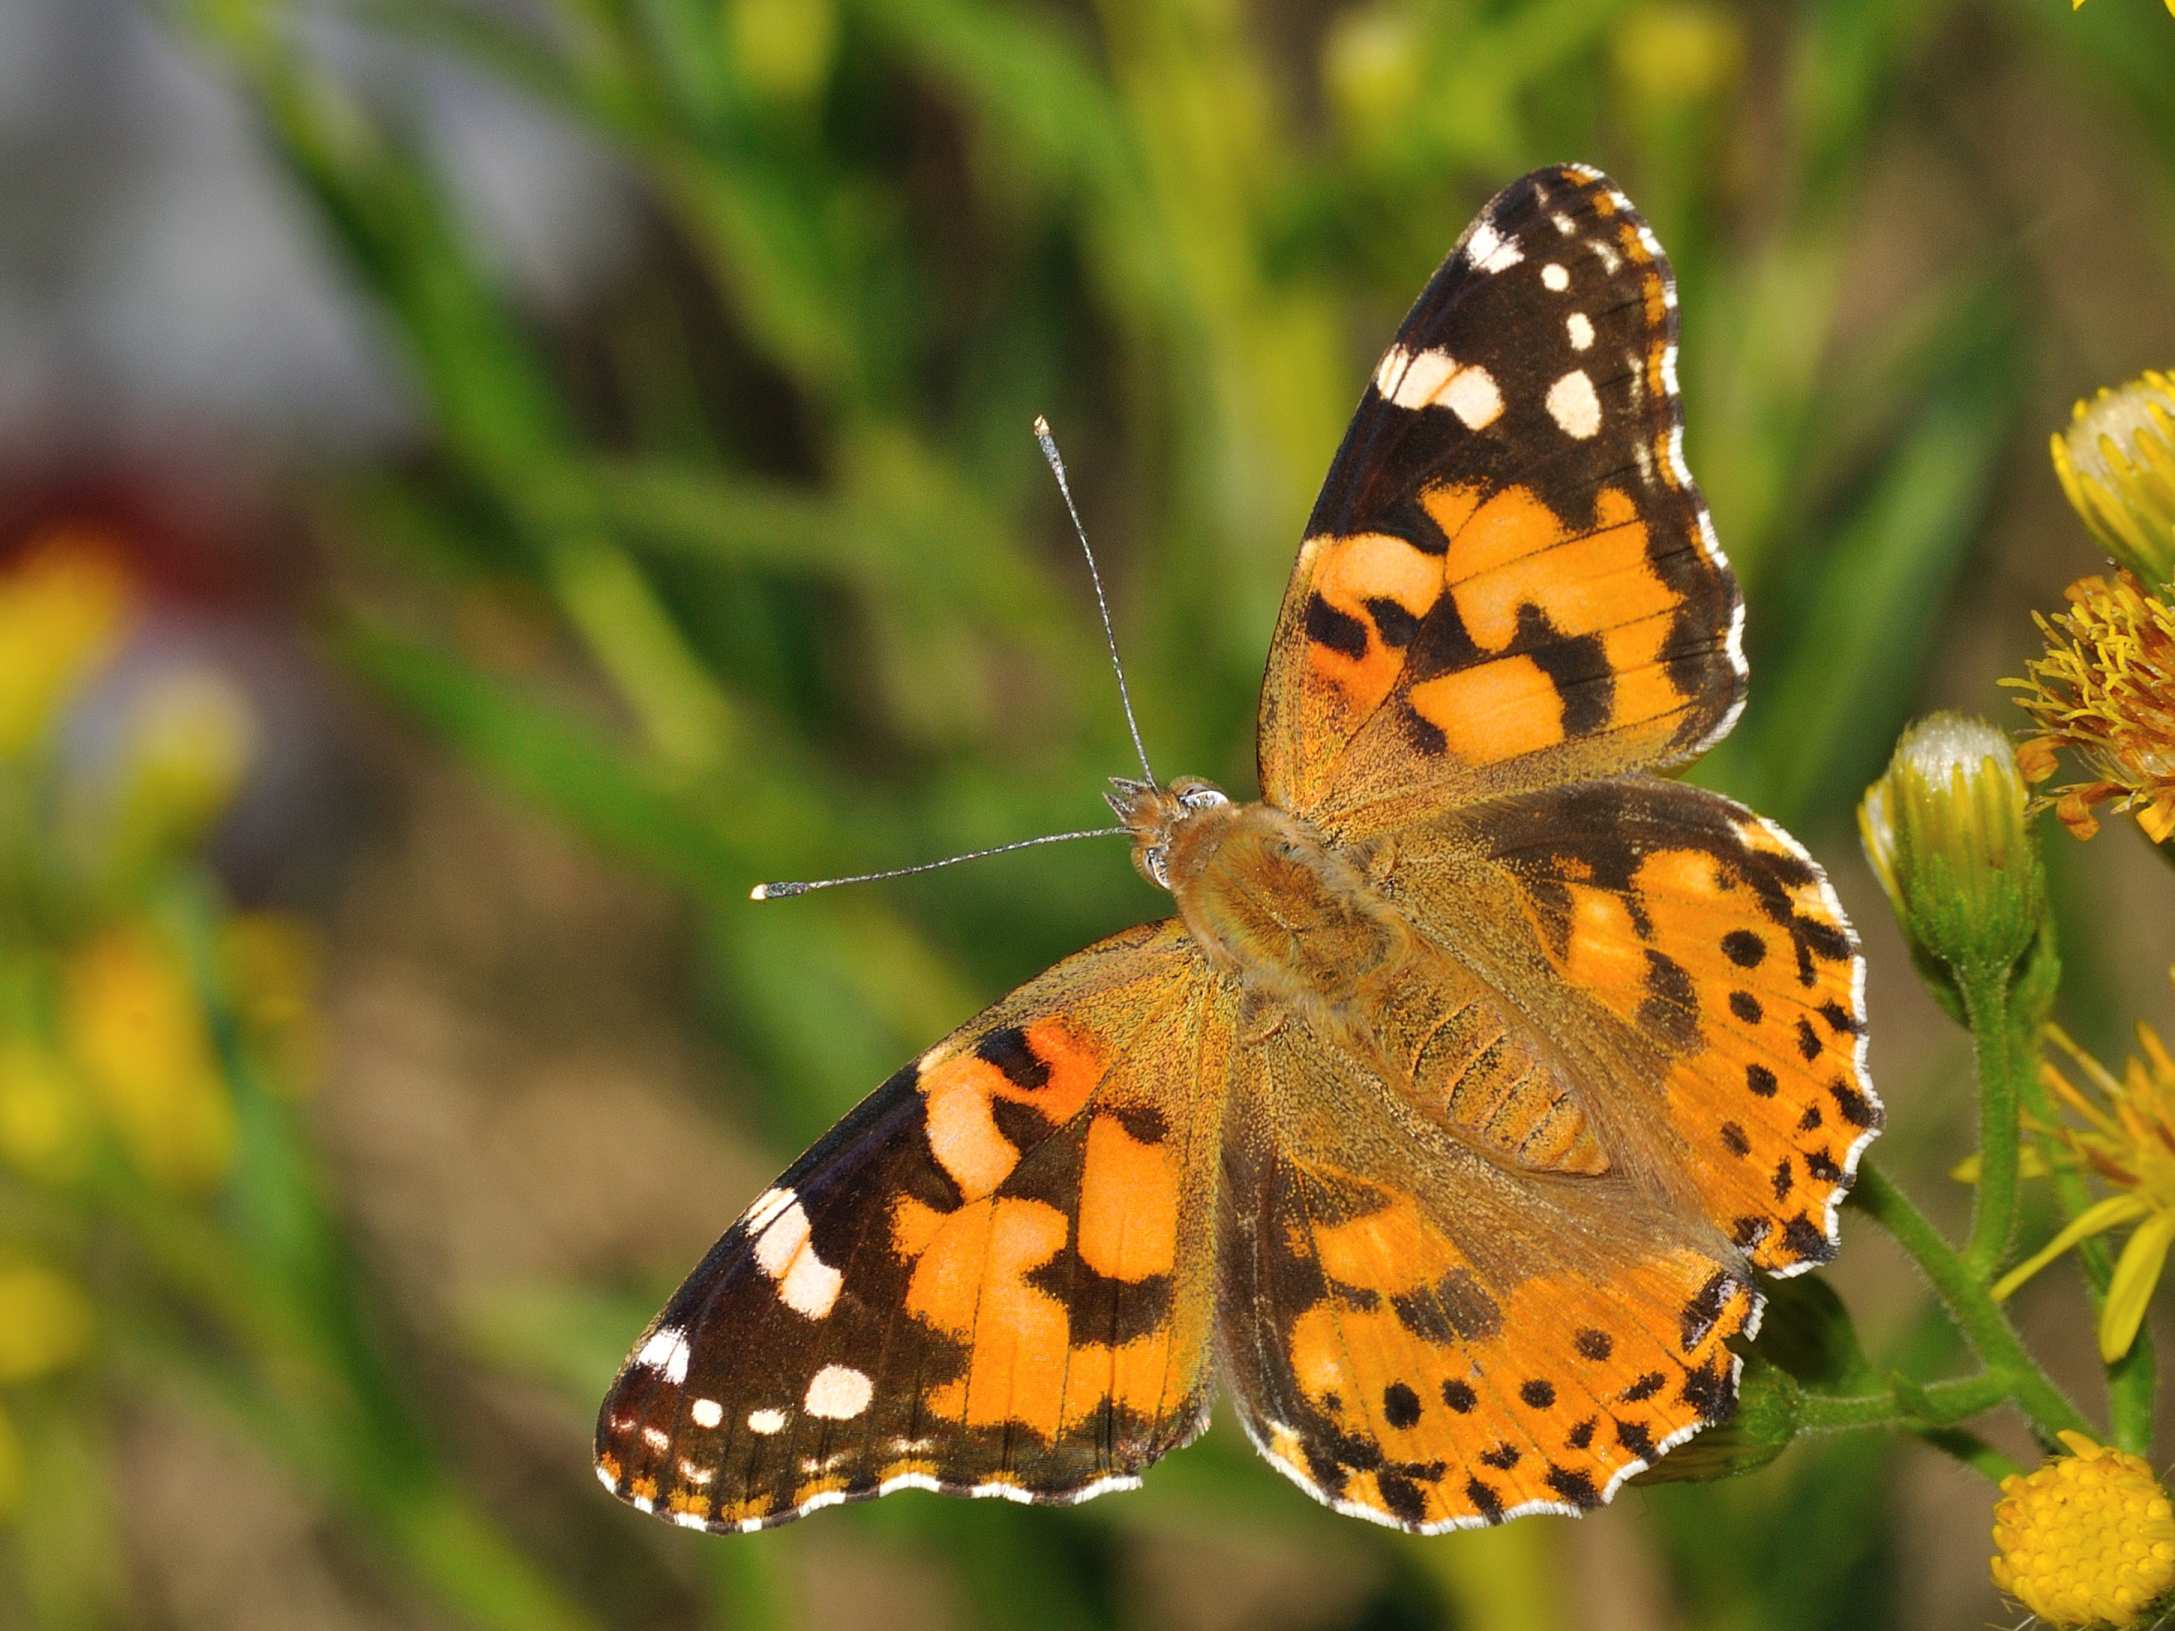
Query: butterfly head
column 1156, row 816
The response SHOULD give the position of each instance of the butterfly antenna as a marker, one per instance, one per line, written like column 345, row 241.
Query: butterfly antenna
column 778, row 891
column 1102, row 605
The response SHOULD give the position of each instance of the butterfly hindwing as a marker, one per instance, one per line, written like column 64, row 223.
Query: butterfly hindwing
column 1421, row 1339
column 983, row 1280
column 1509, row 578
column 1695, row 952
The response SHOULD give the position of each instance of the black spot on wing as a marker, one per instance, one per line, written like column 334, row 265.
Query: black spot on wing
column 1009, row 1051
column 1339, row 631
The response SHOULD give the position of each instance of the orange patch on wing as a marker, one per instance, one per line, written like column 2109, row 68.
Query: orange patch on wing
column 1075, row 1062
column 1650, row 289
column 1133, row 1376
column 1663, row 463
column 1391, row 1249
column 1349, row 572
column 1582, row 582
column 1128, row 1228
column 973, row 1283
column 962, row 1130
column 1494, row 711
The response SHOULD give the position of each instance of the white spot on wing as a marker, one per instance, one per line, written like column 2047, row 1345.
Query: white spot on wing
column 656, row 1437
column 1555, row 277
column 806, row 1283
column 1434, row 378
column 1472, row 396
column 1489, row 250
column 1580, row 327
column 838, row 1392
column 666, row 1351
column 1573, row 405
column 707, row 1412
column 765, row 1421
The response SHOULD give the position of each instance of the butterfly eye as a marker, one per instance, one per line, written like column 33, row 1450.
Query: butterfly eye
column 1201, row 798
column 1152, row 859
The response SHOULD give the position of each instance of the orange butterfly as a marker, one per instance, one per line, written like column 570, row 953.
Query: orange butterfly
column 1476, row 1073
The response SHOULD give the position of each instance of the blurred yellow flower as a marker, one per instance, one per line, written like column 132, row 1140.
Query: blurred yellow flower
column 2116, row 461
column 44, row 1126
column 1678, row 51
column 2085, row 1538
column 138, row 1032
column 785, row 47
column 62, row 607
column 189, row 743
column 2125, row 1135
column 2105, row 690
column 45, row 1322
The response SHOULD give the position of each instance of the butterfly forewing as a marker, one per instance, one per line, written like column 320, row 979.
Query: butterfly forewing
column 1509, row 578
column 985, row 1280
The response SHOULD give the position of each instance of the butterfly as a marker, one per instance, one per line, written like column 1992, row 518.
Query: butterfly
column 1478, row 1072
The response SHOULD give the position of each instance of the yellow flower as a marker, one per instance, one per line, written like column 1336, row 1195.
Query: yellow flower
column 45, row 1322
column 44, row 1127
column 189, row 745
column 2085, row 1538
column 2116, row 461
column 139, row 1033
column 61, row 610
column 2105, row 690
column 2125, row 1135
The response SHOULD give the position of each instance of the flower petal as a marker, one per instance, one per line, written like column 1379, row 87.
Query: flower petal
column 2137, row 1272
column 2095, row 1219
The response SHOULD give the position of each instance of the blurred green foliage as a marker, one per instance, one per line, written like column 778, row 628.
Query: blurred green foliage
column 750, row 570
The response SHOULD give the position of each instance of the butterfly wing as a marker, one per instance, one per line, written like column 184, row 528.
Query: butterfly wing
column 1429, row 1339
column 981, row 1281
column 1698, row 945
column 1509, row 578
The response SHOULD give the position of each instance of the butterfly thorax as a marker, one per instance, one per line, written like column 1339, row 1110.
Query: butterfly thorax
column 1289, row 916
column 1269, row 901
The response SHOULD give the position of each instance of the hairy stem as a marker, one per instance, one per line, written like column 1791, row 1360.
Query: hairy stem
column 1968, row 1301
column 1993, row 1213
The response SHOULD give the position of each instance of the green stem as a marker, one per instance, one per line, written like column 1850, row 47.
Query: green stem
column 2131, row 1380
column 1969, row 1303
column 1931, row 1404
column 1972, row 1450
column 1993, row 1212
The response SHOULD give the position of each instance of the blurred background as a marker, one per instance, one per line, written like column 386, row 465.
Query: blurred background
column 484, row 481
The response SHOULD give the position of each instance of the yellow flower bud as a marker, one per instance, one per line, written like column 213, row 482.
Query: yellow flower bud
column 2116, row 461
column 2085, row 1538
column 1945, row 831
